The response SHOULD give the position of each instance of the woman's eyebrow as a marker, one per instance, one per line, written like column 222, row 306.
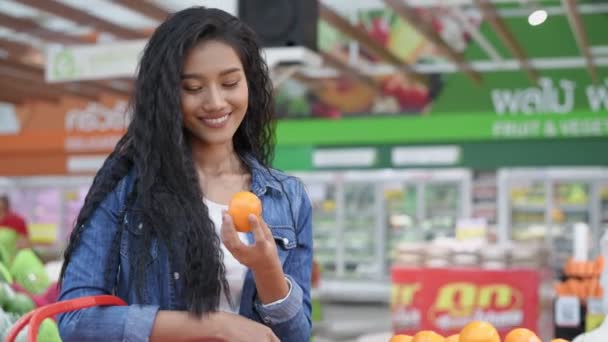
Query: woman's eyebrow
column 200, row 76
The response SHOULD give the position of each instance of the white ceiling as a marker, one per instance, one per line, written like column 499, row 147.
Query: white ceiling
column 123, row 16
column 115, row 13
column 104, row 9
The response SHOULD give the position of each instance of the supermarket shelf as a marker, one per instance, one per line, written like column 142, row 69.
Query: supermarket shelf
column 355, row 291
column 529, row 208
column 324, row 249
column 323, row 232
column 487, row 182
column 573, row 207
column 485, row 206
column 359, row 248
column 443, row 212
column 359, row 260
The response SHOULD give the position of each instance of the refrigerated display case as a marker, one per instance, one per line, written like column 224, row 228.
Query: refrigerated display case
column 49, row 205
column 423, row 205
column 543, row 205
column 442, row 203
column 323, row 196
column 603, row 207
column 359, row 236
column 364, row 215
column 528, row 207
column 402, row 216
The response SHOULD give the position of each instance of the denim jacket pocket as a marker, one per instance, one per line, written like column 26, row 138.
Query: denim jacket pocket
column 132, row 238
column 285, row 238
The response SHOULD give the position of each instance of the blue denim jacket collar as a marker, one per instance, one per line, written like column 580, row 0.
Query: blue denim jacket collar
column 261, row 177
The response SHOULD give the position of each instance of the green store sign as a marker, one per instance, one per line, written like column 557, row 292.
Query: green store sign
column 442, row 128
column 563, row 104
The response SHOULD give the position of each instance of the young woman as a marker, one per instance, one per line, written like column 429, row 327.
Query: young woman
column 153, row 229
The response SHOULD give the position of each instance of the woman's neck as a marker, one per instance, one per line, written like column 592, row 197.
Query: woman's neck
column 216, row 160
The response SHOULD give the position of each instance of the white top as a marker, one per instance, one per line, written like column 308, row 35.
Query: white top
column 235, row 271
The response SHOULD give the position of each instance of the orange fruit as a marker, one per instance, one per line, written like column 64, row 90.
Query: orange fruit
column 559, row 340
column 452, row 338
column 401, row 338
column 521, row 335
column 427, row 336
column 241, row 205
column 478, row 331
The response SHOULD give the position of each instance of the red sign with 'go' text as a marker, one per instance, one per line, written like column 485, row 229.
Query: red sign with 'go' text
column 444, row 300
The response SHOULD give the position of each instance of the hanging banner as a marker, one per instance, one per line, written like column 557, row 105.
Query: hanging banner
column 93, row 61
column 70, row 136
column 120, row 59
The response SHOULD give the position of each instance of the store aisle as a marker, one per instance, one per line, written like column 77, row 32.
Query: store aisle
column 348, row 322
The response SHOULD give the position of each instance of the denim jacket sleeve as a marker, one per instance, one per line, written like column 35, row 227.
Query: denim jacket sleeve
column 290, row 319
column 85, row 276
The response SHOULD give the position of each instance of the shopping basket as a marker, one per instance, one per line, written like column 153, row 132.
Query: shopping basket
column 36, row 316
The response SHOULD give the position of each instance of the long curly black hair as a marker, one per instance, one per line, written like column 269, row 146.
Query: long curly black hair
column 157, row 146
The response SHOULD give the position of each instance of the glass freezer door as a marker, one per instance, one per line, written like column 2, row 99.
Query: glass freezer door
column 324, row 225
column 441, row 209
column 359, row 234
column 401, row 212
column 571, row 205
column 528, row 205
column 603, row 208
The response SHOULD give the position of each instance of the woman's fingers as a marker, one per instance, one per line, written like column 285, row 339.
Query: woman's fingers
column 230, row 237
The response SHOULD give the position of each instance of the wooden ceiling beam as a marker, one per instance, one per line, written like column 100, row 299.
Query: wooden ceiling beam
column 35, row 75
column 368, row 43
column 16, row 53
column 30, row 90
column 97, row 88
column 146, row 8
column 83, row 18
column 457, row 13
column 22, row 53
column 346, row 69
column 500, row 27
column 580, row 35
column 14, row 48
column 12, row 96
column 15, row 59
column 407, row 14
column 30, row 71
column 32, row 28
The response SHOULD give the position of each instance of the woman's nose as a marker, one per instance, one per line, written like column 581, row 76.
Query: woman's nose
column 214, row 100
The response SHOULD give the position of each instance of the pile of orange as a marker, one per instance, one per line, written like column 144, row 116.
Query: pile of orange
column 475, row 331
column 583, row 279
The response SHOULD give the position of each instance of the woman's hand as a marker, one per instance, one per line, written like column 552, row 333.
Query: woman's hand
column 259, row 256
column 216, row 327
column 235, row 328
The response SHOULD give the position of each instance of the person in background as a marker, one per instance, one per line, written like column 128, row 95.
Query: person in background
column 154, row 229
column 11, row 220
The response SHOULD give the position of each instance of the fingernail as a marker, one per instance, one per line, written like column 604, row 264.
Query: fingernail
column 252, row 217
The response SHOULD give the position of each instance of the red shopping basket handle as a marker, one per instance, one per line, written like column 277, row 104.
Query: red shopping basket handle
column 38, row 315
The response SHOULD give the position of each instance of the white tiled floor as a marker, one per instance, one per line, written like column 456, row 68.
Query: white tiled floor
column 351, row 322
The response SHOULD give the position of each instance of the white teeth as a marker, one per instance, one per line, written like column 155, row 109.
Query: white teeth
column 217, row 121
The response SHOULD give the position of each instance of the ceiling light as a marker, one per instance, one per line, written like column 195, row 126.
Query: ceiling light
column 537, row 17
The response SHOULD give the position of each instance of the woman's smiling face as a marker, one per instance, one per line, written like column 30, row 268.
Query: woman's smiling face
column 214, row 92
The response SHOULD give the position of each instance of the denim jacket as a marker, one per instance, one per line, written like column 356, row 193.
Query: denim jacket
column 85, row 275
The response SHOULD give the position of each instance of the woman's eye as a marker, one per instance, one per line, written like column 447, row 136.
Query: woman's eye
column 192, row 89
column 231, row 84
